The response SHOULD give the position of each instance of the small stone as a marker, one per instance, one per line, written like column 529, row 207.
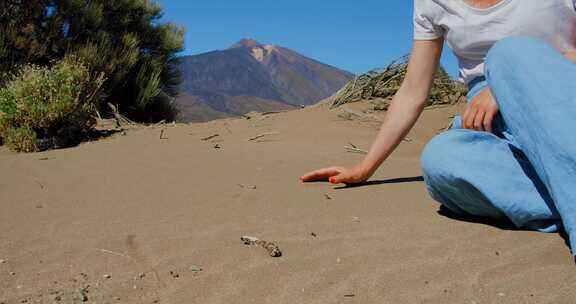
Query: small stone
column 174, row 274
column 83, row 295
column 24, row 301
column 327, row 196
column 426, row 282
column 356, row 219
column 338, row 260
column 2, row 261
column 253, row 187
column 12, row 273
column 58, row 298
column 195, row 268
column 497, row 253
column 142, row 275
column 107, row 276
column 313, row 234
column 501, row 294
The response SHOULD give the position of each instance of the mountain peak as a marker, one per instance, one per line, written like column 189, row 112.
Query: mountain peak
column 245, row 43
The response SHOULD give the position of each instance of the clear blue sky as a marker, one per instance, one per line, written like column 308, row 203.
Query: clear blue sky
column 353, row 35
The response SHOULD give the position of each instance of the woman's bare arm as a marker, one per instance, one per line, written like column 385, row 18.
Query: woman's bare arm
column 404, row 110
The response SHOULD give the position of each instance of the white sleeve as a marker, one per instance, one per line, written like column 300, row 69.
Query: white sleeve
column 424, row 27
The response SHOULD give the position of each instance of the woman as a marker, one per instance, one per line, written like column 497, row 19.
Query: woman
column 513, row 153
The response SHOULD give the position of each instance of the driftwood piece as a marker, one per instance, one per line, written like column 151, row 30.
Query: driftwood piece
column 272, row 249
column 122, row 120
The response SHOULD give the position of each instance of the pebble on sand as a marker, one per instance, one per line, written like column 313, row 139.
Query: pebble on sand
column 107, row 276
column 83, row 295
column 174, row 274
column 195, row 268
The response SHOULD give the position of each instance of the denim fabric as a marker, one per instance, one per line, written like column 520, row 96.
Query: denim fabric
column 526, row 169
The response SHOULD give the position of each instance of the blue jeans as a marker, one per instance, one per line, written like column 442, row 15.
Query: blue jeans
column 524, row 171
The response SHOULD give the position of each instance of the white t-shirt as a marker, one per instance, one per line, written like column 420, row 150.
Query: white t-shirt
column 470, row 32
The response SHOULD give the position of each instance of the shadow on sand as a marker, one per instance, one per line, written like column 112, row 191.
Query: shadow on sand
column 500, row 224
column 399, row 180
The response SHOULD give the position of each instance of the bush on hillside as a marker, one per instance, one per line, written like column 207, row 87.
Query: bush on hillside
column 42, row 108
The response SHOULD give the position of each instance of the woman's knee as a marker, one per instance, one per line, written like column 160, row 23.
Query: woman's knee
column 514, row 54
column 438, row 153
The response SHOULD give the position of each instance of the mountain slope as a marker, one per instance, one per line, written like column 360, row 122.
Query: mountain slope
column 250, row 76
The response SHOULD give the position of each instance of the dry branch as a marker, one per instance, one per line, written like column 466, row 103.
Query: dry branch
column 261, row 135
column 384, row 83
column 209, row 137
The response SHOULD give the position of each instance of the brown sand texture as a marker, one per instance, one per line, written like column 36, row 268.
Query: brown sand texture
column 156, row 215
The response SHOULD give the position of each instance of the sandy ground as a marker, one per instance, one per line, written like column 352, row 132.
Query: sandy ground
column 139, row 219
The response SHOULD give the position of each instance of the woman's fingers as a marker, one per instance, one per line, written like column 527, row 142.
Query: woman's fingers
column 478, row 123
column 320, row 174
column 340, row 178
column 488, row 118
column 480, row 112
column 468, row 117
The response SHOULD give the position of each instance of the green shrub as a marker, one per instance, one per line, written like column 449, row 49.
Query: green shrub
column 21, row 139
column 124, row 39
column 41, row 105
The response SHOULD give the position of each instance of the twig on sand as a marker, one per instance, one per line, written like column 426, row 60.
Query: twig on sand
column 39, row 184
column 162, row 133
column 209, row 137
column 261, row 135
column 115, row 253
column 353, row 149
column 273, row 112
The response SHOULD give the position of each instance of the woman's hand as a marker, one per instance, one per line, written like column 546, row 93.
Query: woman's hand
column 403, row 112
column 480, row 112
column 336, row 175
column 571, row 56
